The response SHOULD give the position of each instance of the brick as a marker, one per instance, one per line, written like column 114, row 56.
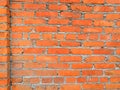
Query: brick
column 70, row 87
column 70, row 1
column 3, row 2
column 69, row 29
column 4, row 19
column 35, row 6
column 92, row 72
column 92, row 30
column 57, row 7
column 93, row 16
column 46, row 80
column 93, row 1
column 112, row 86
column 71, row 36
column 46, row 0
column 47, row 14
column 70, row 58
column 58, row 65
column 46, row 29
column 22, row 72
column 16, row 6
column 24, row 58
column 58, row 80
column 72, row 44
column 93, row 44
column 34, row 36
column 82, row 22
column 118, row 51
column 113, row 2
column 23, row 0
column 21, row 29
column 71, row 80
column 90, row 86
column 4, row 11
column 4, row 43
column 4, row 27
column 103, row 9
column 103, row 51
column 95, row 59
column 45, row 72
column 81, row 80
column 47, row 58
column 33, row 50
column 82, row 66
column 46, row 43
column 104, row 66
column 20, row 87
column 82, row 8
column 68, row 73
column 114, row 59
column 103, row 23
column 113, row 44
column 81, row 51
column 22, row 14
column 112, row 72
column 34, row 21
column 70, row 15
column 22, row 43
column 113, row 16
column 3, row 82
column 115, row 79
column 58, row 21
column 3, row 75
column 58, row 51
column 47, row 36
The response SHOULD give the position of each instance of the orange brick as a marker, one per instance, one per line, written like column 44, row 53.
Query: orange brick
column 67, row 43
column 93, row 86
column 35, row 6
column 34, row 21
column 70, row 58
column 70, row 1
column 103, row 51
column 69, row 29
column 58, row 21
column 103, row 23
column 103, row 9
column 95, row 59
column 58, row 51
column 93, row 44
column 21, row 87
column 68, row 73
column 46, row 14
column 83, row 65
column 47, row 58
column 93, row 1
column 92, row 72
column 57, row 7
column 81, row 51
column 94, row 16
column 70, row 87
column 70, row 15
column 113, row 2
column 34, row 50
column 82, row 22
column 46, row 29
column 82, row 8
column 46, row 43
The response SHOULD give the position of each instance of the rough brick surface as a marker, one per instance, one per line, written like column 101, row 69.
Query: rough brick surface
column 60, row 44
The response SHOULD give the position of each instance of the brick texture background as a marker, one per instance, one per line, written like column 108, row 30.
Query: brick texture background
column 59, row 44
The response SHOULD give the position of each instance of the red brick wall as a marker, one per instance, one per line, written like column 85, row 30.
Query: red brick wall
column 4, row 45
column 60, row 44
